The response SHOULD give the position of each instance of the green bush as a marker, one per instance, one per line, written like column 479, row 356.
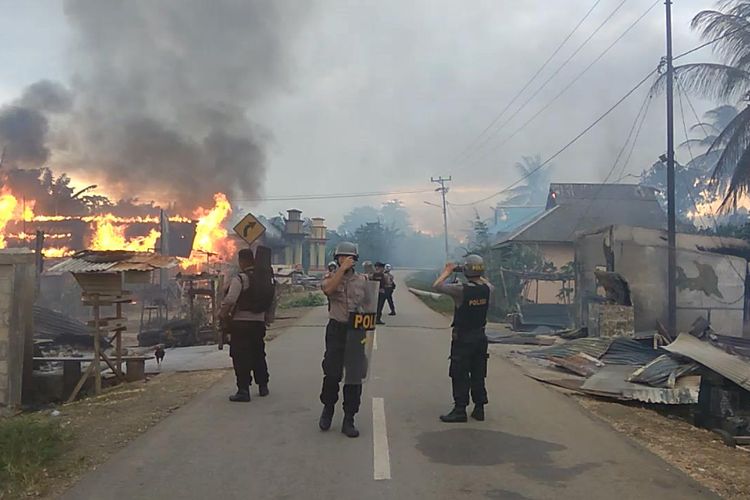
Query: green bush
column 312, row 299
column 27, row 446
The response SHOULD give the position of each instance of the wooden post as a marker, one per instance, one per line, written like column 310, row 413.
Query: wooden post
column 118, row 340
column 97, row 347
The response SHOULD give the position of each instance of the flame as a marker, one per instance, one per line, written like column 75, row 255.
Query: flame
column 210, row 234
column 57, row 253
column 109, row 235
column 108, row 230
column 8, row 206
column 707, row 213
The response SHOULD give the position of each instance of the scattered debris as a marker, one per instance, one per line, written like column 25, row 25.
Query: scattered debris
column 664, row 371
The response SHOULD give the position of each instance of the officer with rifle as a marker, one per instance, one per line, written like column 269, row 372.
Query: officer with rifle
column 468, row 366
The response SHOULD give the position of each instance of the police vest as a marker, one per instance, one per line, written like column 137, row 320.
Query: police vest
column 258, row 296
column 472, row 313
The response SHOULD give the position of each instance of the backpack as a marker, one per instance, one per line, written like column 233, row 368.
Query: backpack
column 259, row 295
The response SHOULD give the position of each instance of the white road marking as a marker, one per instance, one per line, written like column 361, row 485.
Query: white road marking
column 375, row 340
column 381, row 454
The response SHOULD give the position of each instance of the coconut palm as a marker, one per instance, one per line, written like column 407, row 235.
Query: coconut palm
column 728, row 81
column 714, row 121
column 535, row 188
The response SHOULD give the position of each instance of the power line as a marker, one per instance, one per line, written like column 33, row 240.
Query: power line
column 711, row 42
column 641, row 111
column 572, row 82
column 330, row 196
column 527, row 85
column 561, row 150
column 548, row 80
column 680, row 94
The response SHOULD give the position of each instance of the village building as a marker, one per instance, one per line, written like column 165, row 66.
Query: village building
column 573, row 209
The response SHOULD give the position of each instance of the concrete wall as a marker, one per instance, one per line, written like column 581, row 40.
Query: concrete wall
column 559, row 254
column 709, row 284
column 17, row 292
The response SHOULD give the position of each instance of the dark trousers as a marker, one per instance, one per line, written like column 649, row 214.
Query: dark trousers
column 248, row 352
column 468, row 368
column 381, row 303
column 389, row 298
column 333, row 370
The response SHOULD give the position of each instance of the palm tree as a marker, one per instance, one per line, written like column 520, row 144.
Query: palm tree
column 727, row 82
column 535, row 189
column 715, row 120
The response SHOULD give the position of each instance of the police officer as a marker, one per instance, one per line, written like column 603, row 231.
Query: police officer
column 468, row 367
column 345, row 289
column 379, row 276
column 390, row 287
column 246, row 308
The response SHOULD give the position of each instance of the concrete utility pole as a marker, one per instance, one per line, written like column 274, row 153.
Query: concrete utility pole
column 443, row 189
column 671, row 212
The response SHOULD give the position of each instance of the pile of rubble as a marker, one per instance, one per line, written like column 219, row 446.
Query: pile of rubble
column 700, row 368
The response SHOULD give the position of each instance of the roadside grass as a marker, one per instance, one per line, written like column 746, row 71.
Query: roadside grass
column 423, row 280
column 28, row 445
column 309, row 299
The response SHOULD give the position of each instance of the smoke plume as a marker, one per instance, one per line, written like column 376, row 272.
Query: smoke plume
column 161, row 98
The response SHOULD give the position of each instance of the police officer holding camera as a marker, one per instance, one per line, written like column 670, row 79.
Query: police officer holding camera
column 468, row 367
column 345, row 290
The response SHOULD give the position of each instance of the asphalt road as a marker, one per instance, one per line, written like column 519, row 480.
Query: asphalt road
column 536, row 443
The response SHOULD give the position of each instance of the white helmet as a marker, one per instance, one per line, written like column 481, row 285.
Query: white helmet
column 387, row 267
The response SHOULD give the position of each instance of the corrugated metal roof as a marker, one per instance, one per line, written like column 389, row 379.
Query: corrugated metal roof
column 595, row 347
column 625, row 351
column 113, row 262
column 734, row 368
column 580, row 208
column 611, row 381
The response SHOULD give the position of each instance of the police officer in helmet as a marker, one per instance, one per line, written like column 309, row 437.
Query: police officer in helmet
column 345, row 289
column 468, row 367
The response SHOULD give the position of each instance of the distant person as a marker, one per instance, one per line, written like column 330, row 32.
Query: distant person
column 247, row 308
column 390, row 287
column 468, row 367
column 379, row 276
column 345, row 290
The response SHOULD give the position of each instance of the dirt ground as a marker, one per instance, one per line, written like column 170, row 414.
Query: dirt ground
column 133, row 408
column 697, row 452
column 100, row 426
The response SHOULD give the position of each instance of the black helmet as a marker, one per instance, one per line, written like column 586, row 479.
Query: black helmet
column 473, row 266
column 346, row 248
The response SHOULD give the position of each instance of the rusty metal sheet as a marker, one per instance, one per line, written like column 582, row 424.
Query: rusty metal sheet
column 611, row 381
column 734, row 368
column 113, row 262
column 580, row 364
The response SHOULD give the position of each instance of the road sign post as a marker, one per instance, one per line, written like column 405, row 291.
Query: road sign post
column 249, row 228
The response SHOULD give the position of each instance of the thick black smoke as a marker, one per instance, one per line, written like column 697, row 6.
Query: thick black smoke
column 162, row 96
column 24, row 126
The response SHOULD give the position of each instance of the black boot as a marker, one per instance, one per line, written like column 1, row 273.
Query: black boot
column 478, row 413
column 263, row 390
column 242, row 396
column 326, row 417
column 457, row 414
column 348, row 427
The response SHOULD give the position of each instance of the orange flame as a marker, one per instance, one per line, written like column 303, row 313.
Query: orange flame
column 8, row 205
column 210, row 234
column 109, row 235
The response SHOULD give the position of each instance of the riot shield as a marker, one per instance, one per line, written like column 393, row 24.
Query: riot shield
column 360, row 337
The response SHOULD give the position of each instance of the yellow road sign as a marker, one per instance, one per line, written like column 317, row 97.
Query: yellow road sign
column 249, row 228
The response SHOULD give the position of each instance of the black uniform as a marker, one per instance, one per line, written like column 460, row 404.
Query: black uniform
column 379, row 276
column 468, row 367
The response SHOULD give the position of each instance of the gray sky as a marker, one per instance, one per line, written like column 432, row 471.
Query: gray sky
column 383, row 94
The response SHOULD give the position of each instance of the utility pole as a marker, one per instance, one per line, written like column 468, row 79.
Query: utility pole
column 671, row 213
column 443, row 189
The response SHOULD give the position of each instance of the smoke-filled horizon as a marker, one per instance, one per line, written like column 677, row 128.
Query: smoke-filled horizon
column 160, row 99
column 337, row 98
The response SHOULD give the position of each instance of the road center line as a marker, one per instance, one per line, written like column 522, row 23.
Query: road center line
column 375, row 340
column 381, row 454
